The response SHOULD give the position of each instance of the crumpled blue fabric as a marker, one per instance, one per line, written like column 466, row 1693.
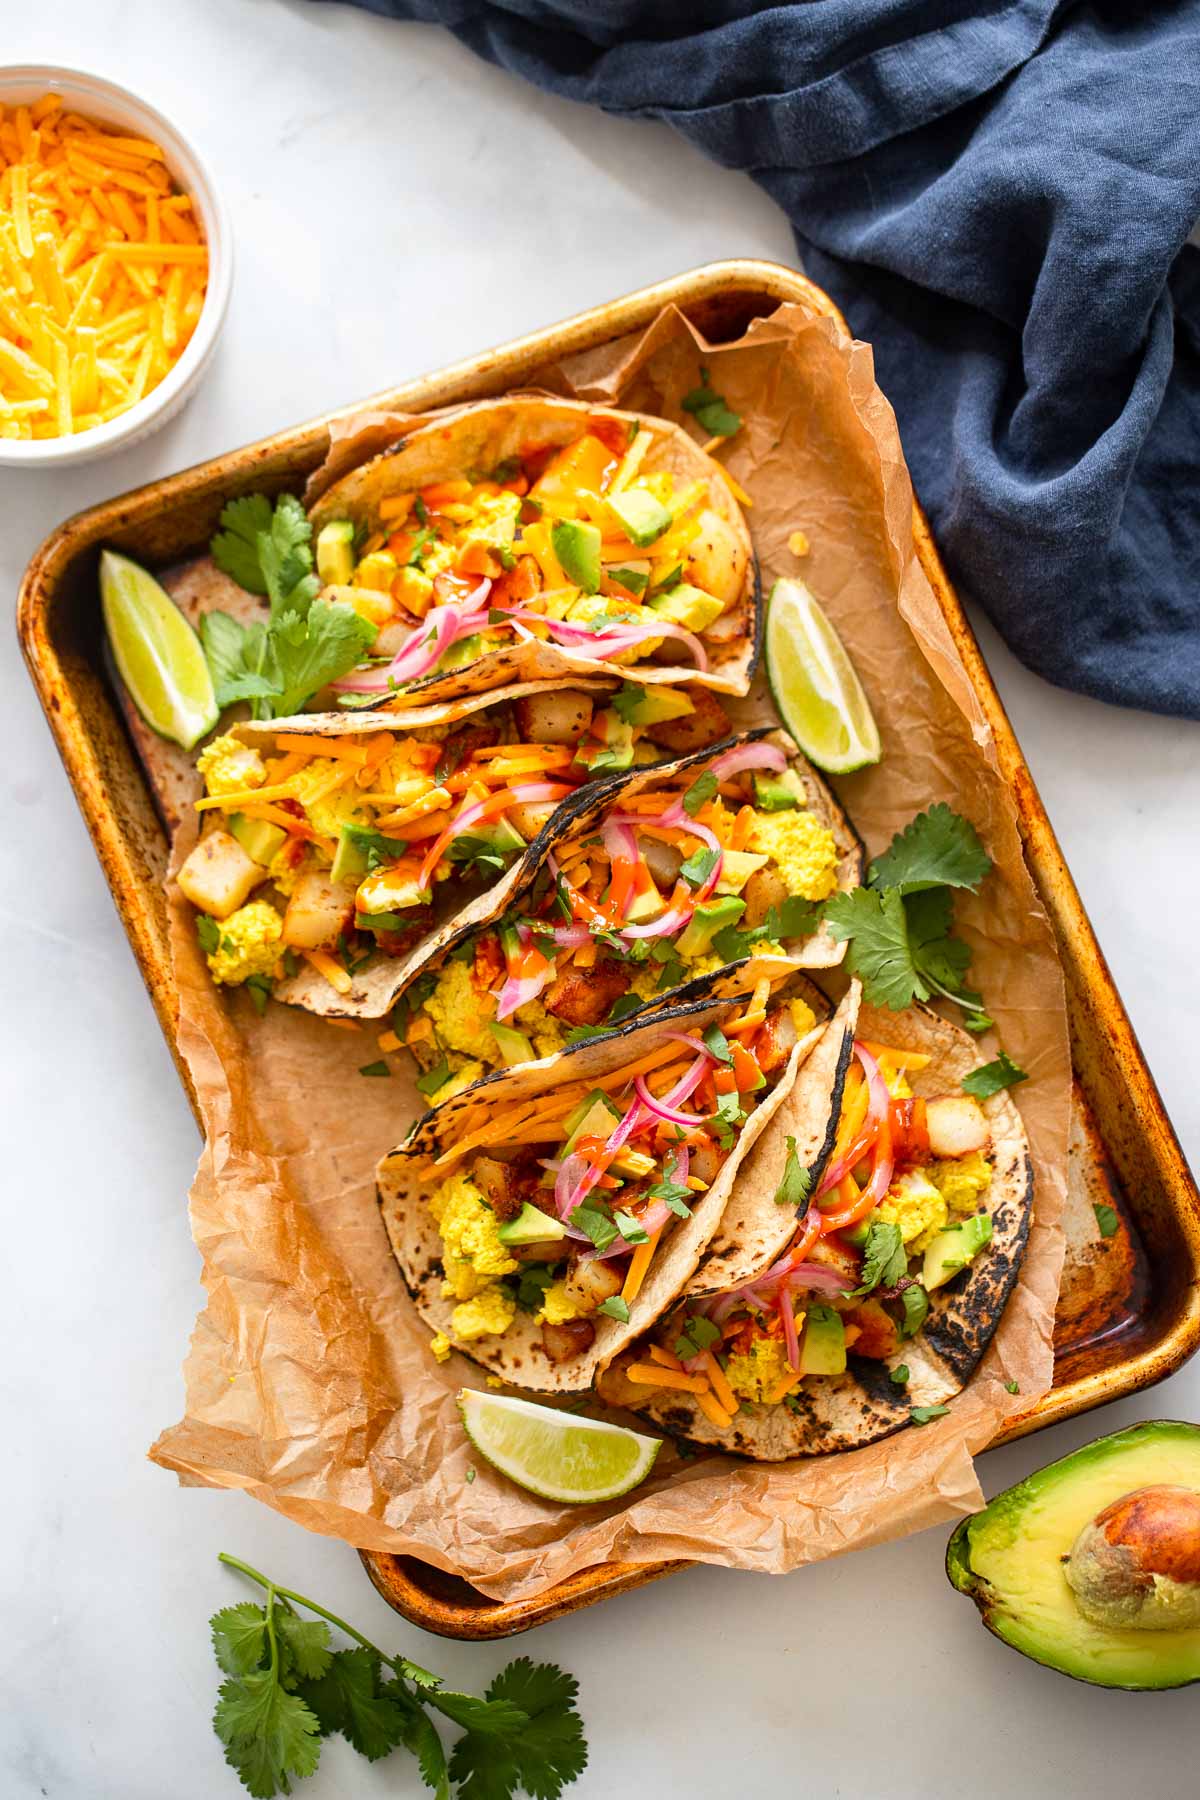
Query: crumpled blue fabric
column 999, row 198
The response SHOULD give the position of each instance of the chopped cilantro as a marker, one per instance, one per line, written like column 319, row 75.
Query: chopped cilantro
column 669, row 580
column 595, row 1218
column 699, row 866
column 208, row 932
column 626, row 701
column 718, row 1043
column 531, row 1286
column 921, row 1415
column 702, row 789
column 629, row 1228
column 672, row 1191
column 728, row 1116
column 419, row 511
column 470, row 1476
column 1013, row 1387
column 624, row 1007
column 436, row 1078
column 632, row 580
column 885, row 1260
column 992, row 1077
column 615, row 1308
column 379, row 1068
column 697, row 1334
column 710, row 410
column 899, row 1375
column 259, row 988
column 796, row 1186
column 915, row 1302
column 1107, row 1220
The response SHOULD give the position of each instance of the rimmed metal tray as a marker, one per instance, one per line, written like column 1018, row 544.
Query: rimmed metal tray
column 1130, row 1307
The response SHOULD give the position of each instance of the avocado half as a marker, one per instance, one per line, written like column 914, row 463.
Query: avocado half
column 1010, row 1559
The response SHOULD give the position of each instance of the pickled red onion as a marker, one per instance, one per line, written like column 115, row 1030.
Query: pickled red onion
column 787, row 1319
column 748, row 756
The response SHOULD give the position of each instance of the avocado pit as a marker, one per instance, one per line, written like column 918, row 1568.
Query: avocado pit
column 1136, row 1564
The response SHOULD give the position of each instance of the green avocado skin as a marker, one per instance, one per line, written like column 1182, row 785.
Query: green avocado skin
column 1159, row 1659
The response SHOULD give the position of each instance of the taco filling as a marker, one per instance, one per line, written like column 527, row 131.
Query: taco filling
column 332, row 847
column 693, row 870
column 579, row 546
column 561, row 1204
column 902, row 1207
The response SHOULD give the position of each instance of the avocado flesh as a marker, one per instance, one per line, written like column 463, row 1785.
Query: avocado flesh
column 1007, row 1558
column 335, row 552
column 577, row 547
column 709, row 917
column 531, row 1226
column 595, row 1116
column 823, row 1350
column 657, row 705
column 258, row 837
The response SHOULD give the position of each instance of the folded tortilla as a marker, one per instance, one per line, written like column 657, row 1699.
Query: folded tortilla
column 491, row 432
column 826, row 1413
column 406, row 1174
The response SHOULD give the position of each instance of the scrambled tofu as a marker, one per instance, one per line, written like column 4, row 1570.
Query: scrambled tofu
column 339, row 808
column 249, row 944
column 803, row 1016
column 460, row 1078
column 474, row 1259
column 962, row 1180
column 558, row 1306
column 461, row 1013
column 757, row 1372
column 916, row 1206
column 802, row 850
column 228, row 767
column 441, row 1346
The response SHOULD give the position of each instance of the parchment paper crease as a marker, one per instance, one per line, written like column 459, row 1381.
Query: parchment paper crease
column 309, row 1383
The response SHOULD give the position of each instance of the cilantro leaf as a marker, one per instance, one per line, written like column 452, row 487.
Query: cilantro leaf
column 710, row 410
column 873, row 927
column 1012, row 1387
column 626, row 701
column 345, row 1699
column 796, row 1186
column 921, row 1415
column 716, row 1041
column 697, row 1334
column 535, row 1278
column 1107, row 1220
column 915, row 1302
column 303, row 1642
column 208, row 933
column 596, row 1220
column 673, row 1192
column 378, row 1069
column 899, row 1375
column 943, row 960
column 699, row 866
column 235, row 547
column 993, row 1077
column 629, row 1228
column 429, row 1083
column 729, row 1114
column 335, row 639
column 233, row 653
column 885, row 1260
column 939, row 848
column 547, row 1753
column 239, row 1635
column 268, row 1733
column 419, row 1734
column 269, row 551
column 616, row 1308
column 702, row 789
column 624, row 1007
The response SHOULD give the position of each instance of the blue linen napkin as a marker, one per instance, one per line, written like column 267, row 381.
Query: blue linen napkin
column 999, row 197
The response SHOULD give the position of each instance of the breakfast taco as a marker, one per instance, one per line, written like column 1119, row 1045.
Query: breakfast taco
column 710, row 869
column 901, row 1256
column 335, row 847
column 536, row 539
column 546, row 1216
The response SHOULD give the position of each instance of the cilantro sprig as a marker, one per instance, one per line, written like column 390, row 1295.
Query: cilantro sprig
column 898, row 929
column 286, row 1688
column 711, row 410
column 280, row 662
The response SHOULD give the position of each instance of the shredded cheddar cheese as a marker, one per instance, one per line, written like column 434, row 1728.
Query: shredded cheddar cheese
column 103, row 271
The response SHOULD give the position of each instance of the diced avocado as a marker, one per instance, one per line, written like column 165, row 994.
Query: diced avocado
column 823, row 1346
column 378, row 570
column 1025, row 1566
column 335, row 553
column 350, row 858
column 531, row 1226
column 709, row 917
column 656, row 705
column 514, row 1046
column 643, row 518
column 647, row 903
column 577, row 547
column 595, row 1116
column 737, row 866
column 633, row 577
column 257, row 837
column 635, row 1164
column 615, row 748
column 953, row 1248
column 461, row 655
column 858, row 1234
column 687, row 606
column 779, row 793
column 497, row 834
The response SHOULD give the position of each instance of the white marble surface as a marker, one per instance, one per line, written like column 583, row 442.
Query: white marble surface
column 398, row 205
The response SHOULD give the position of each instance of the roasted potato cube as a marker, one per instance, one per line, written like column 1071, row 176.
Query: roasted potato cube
column 219, row 876
column 319, row 911
column 707, row 724
column 558, row 716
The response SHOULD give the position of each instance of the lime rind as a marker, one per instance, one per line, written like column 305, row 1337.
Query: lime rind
column 814, row 684
column 556, row 1455
column 158, row 655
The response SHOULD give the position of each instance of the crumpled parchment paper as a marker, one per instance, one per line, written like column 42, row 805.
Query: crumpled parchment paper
column 309, row 1382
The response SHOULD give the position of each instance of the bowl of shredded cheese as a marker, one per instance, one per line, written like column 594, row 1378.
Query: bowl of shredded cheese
column 115, row 267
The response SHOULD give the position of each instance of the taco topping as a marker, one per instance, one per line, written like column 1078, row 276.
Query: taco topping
column 579, row 546
column 353, row 834
column 900, row 1209
column 669, row 883
column 560, row 1204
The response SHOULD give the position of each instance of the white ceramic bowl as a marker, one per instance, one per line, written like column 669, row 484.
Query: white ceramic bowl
column 98, row 98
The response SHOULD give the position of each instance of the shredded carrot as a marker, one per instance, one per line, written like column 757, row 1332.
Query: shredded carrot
column 639, row 1262
column 665, row 1358
column 782, row 1387
column 720, row 1387
column 655, row 1375
column 713, row 1411
column 332, row 970
column 307, row 743
column 742, row 826
column 896, row 1059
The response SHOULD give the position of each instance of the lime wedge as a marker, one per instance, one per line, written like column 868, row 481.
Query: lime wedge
column 558, row 1455
column 818, row 695
column 157, row 652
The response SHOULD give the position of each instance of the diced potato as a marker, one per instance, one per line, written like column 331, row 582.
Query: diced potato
column 529, row 819
column 716, row 560
column 557, row 716
column 219, row 876
column 572, row 1338
column 319, row 911
column 956, row 1125
column 591, row 1282
column 765, row 889
column 706, row 724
